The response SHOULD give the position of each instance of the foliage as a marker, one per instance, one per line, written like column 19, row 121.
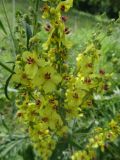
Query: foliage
column 83, row 124
column 111, row 7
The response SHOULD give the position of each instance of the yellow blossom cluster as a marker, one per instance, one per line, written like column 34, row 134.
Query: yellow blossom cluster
column 50, row 96
column 87, row 81
column 84, row 155
column 38, row 75
column 98, row 139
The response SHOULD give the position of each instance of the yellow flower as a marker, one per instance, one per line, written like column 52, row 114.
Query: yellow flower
column 45, row 10
column 38, row 131
column 86, row 83
column 74, row 97
column 63, row 131
column 65, row 6
column 32, row 63
column 48, row 78
column 20, row 76
column 52, row 102
column 53, row 122
column 71, row 112
column 113, row 124
column 97, row 141
column 45, row 147
column 87, row 61
column 81, row 155
column 40, row 101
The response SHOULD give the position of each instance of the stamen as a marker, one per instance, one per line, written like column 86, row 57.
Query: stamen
column 38, row 102
column 30, row 60
column 75, row 96
column 48, row 76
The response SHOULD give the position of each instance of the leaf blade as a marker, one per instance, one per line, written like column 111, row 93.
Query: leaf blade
column 2, row 27
column 6, row 86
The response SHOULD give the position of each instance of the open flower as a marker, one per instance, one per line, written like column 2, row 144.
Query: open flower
column 65, row 6
column 39, row 101
column 33, row 62
column 20, row 77
column 74, row 97
column 81, row 155
column 47, row 78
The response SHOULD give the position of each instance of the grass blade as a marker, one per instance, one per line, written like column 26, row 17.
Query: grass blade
column 6, row 86
column 2, row 27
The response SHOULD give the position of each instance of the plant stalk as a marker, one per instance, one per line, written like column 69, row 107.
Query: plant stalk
column 6, row 67
column 7, row 20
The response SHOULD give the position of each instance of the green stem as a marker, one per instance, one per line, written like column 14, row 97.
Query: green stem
column 4, row 8
column 36, row 16
column 13, row 6
column 6, row 67
column 28, row 154
column 75, row 144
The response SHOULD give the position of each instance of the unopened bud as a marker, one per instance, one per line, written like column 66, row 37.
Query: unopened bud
column 67, row 31
column 101, row 71
column 47, row 27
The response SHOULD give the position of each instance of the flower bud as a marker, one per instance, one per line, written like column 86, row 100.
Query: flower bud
column 101, row 71
column 64, row 18
column 67, row 31
column 48, row 27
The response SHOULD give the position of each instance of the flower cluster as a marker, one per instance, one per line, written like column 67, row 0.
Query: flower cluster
column 40, row 75
column 100, row 137
column 87, row 80
column 50, row 96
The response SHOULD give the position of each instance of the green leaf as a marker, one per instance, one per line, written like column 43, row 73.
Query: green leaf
column 28, row 154
column 2, row 27
column 9, row 148
column 6, row 67
column 28, row 33
column 75, row 144
column 6, row 86
column 85, row 130
column 4, row 124
column 60, row 147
